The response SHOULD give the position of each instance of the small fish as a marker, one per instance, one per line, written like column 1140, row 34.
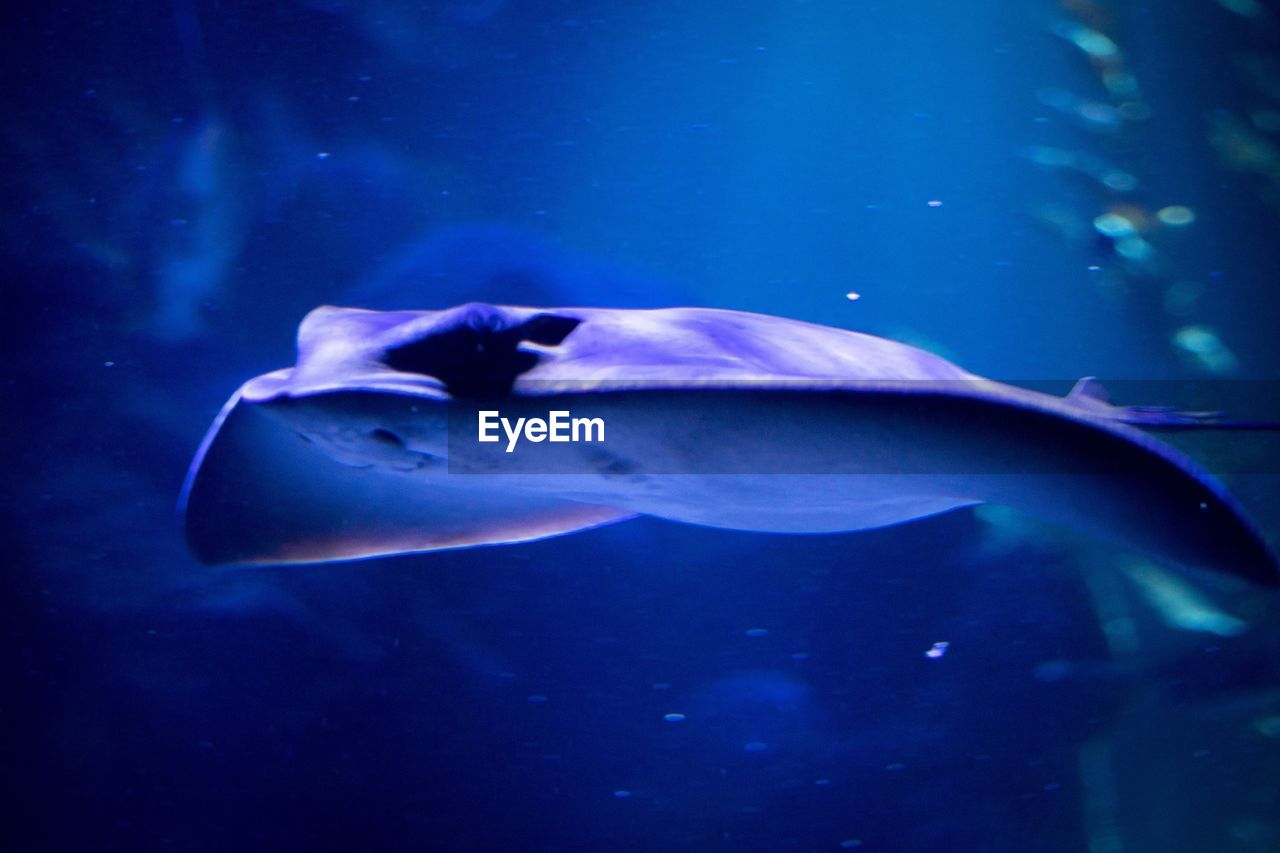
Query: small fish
column 368, row 446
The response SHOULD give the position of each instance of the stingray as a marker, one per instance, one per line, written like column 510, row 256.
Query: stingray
column 369, row 445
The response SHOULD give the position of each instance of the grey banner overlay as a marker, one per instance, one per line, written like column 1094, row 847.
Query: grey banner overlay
column 897, row 427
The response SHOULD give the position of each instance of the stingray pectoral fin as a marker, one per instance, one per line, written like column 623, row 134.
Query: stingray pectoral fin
column 260, row 493
column 914, row 449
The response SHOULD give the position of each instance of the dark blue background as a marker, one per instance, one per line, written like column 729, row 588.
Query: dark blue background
column 184, row 180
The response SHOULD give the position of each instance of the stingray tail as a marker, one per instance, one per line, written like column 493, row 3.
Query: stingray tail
column 1091, row 396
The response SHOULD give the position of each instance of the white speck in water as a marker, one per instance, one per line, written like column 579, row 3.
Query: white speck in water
column 621, row 794
column 322, row 155
column 108, row 364
column 935, row 203
column 937, row 650
column 853, row 296
column 673, row 717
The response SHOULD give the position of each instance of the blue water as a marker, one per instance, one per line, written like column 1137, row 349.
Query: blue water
column 1008, row 184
